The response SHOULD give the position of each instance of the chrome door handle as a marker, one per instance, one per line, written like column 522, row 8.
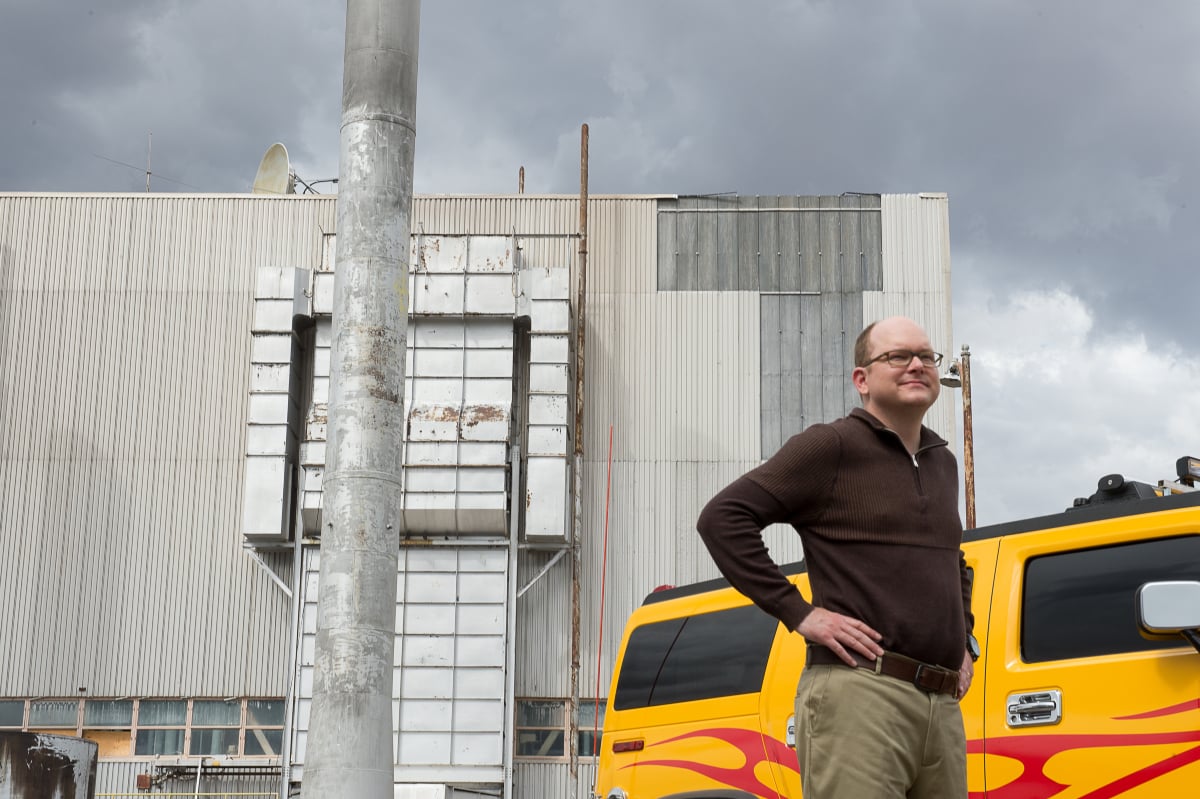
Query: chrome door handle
column 1034, row 708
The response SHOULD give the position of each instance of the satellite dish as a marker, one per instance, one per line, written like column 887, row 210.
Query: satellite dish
column 274, row 173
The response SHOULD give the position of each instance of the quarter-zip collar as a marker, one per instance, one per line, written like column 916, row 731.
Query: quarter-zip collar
column 929, row 439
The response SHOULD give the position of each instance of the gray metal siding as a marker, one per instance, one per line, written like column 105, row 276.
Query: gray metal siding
column 124, row 350
column 769, row 244
column 701, row 385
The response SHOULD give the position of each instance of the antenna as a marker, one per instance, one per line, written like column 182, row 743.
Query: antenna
column 274, row 173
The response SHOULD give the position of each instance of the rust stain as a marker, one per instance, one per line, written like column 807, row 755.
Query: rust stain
column 434, row 413
column 475, row 414
column 319, row 413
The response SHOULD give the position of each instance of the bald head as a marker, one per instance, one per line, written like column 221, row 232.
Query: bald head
column 890, row 327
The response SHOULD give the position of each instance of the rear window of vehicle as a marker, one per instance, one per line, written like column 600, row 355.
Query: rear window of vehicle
column 1082, row 604
column 698, row 657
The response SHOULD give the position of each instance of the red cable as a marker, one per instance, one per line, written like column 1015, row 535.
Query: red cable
column 603, row 580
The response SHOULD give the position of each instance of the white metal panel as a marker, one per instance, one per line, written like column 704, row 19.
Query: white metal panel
column 125, row 346
column 916, row 281
column 449, row 662
column 675, row 374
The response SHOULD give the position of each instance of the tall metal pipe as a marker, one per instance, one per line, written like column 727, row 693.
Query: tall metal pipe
column 577, row 471
column 968, row 437
column 350, row 740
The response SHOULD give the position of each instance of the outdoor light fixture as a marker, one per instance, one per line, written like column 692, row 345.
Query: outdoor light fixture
column 951, row 378
column 1187, row 469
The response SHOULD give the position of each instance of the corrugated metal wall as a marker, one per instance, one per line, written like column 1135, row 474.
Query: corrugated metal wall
column 124, row 366
column 674, row 354
column 124, row 361
column 119, row 777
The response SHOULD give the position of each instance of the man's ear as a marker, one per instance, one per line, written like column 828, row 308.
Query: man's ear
column 859, row 377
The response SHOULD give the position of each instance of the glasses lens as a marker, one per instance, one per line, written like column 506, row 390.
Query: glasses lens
column 902, row 358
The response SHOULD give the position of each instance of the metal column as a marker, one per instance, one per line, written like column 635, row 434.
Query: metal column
column 350, row 741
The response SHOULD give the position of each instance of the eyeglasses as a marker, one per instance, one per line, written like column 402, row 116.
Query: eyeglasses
column 898, row 359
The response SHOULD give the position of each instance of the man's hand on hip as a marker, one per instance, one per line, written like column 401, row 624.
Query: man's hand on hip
column 965, row 674
column 839, row 633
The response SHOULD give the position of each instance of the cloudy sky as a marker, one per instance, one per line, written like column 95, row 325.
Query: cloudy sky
column 1067, row 136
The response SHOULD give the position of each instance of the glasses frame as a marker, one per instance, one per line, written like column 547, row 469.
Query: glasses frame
column 892, row 358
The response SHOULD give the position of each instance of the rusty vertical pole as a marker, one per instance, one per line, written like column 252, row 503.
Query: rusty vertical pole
column 968, row 437
column 350, row 749
column 576, row 538
column 521, row 181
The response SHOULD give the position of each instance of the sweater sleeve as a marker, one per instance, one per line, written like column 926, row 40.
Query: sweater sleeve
column 731, row 527
column 791, row 487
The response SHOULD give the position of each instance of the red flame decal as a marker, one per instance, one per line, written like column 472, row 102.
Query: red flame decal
column 1170, row 710
column 755, row 747
column 1034, row 751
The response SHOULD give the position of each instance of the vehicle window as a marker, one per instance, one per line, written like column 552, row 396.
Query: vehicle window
column 700, row 657
column 1082, row 604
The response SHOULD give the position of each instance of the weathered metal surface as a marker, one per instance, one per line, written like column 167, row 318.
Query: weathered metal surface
column 968, row 437
column 40, row 766
column 449, row 653
column 125, row 350
column 786, row 243
column 349, row 743
column 915, row 274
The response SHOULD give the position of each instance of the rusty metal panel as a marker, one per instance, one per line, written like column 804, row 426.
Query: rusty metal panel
column 125, row 326
column 34, row 765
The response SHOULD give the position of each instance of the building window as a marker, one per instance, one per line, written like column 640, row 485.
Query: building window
column 215, row 727
column 161, row 725
column 540, row 728
column 12, row 713
column 108, row 722
column 542, row 731
column 264, row 727
column 51, row 715
column 155, row 727
column 590, row 728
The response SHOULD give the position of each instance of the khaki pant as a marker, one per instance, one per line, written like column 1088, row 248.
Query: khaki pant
column 861, row 734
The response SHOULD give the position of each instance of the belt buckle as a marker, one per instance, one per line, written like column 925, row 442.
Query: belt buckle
column 916, row 680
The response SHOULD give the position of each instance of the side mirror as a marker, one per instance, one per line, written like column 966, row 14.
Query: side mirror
column 1171, row 607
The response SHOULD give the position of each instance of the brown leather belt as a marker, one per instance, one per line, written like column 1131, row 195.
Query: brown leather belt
column 929, row 678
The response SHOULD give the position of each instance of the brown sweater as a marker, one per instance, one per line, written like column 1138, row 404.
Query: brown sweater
column 880, row 530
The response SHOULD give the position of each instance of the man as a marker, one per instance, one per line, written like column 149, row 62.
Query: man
column 874, row 497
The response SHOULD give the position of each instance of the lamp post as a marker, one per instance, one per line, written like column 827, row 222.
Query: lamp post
column 959, row 374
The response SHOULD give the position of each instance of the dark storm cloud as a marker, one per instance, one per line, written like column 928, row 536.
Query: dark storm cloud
column 1064, row 133
column 215, row 83
column 47, row 50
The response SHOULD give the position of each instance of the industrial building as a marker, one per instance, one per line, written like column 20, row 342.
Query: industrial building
column 164, row 378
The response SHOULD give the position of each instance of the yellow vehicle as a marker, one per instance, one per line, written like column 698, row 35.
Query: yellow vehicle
column 1088, row 685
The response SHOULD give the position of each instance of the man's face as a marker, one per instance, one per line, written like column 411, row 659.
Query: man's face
column 911, row 387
